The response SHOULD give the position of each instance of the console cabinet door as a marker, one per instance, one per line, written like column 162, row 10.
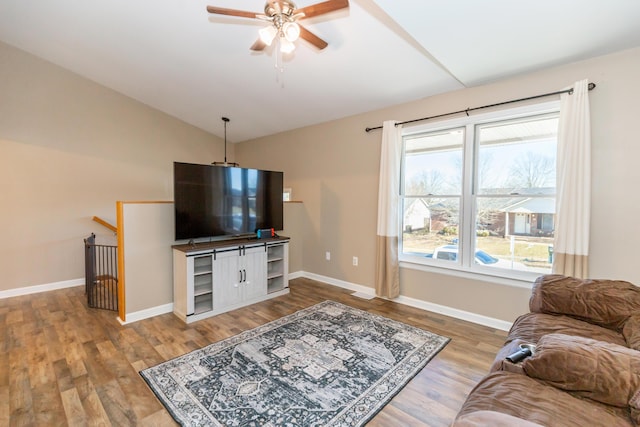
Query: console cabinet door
column 239, row 275
column 254, row 263
column 227, row 289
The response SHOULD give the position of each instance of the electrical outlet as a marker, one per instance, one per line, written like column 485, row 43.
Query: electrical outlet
column 355, row 260
column 327, row 255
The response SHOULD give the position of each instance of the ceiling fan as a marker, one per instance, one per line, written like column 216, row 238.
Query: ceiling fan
column 282, row 16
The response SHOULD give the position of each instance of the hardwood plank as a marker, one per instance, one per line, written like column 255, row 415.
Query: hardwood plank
column 116, row 404
column 63, row 363
column 5, row 409
column 96, row 415
column 73, row 407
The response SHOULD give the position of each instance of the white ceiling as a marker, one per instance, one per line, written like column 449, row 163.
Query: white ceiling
column 174, row 56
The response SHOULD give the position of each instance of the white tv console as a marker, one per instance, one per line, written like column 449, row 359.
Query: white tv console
column 215, row 277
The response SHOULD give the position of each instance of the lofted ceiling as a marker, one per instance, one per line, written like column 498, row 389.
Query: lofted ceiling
column 177, row 58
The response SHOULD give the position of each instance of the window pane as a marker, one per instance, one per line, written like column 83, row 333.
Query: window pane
column 433, row 163
column 430, row 223
column 517, row 156
column 515, row 233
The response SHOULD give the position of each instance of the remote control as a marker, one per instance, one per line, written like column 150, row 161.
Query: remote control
column 519, row 355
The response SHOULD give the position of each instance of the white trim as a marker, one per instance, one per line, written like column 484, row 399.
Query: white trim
column 505, row 113
column 454, row 312
column 295, row 275
column 9, row 293
column 146, row 313
column 340, row 283
column 413, row 302
column 363, row 295
column 524, row 282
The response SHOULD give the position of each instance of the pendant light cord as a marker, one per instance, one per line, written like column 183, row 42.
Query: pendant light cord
column 225, row 163
column 225, row 120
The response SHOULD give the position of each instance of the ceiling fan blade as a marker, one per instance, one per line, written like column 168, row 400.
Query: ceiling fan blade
column 322, row 8
column 312, row 38
column 258, row 45
column 231, row 12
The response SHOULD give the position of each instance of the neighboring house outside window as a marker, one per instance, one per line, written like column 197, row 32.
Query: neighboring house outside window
column 478, row 193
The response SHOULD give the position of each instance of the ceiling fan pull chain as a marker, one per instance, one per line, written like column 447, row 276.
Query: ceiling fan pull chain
column 279, row 64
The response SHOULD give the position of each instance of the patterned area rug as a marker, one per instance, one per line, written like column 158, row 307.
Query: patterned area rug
column 327, row 365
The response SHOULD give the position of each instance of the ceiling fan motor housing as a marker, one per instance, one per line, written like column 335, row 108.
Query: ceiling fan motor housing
column 281, row 7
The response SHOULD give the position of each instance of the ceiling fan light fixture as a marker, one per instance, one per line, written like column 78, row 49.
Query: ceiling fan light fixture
column 267, row 34
column 286, row 46
column 291, row 31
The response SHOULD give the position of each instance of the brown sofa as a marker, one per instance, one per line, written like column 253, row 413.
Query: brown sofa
column 585, row 370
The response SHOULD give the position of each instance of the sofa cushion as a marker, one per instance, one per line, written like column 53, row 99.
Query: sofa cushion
column 607, row 303
column 532, row 400
column 531, row 327
column 631, row 331
column 598, row 370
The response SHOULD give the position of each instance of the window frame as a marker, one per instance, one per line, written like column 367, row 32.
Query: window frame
column 465, row 266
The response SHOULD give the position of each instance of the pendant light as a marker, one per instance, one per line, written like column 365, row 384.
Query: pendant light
column 225, row 163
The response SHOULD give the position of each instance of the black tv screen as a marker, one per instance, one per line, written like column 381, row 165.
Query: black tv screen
column 213, row 201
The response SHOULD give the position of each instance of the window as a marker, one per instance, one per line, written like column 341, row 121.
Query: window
column 478, row 194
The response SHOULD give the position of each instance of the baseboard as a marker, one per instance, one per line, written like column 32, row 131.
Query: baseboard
column 295, row 275
column 340, row 283
column 454, row 312
column 147, row 313
column 413, row 302
column 9, row 293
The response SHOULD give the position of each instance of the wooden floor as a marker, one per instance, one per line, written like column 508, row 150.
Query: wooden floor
column 62, row 363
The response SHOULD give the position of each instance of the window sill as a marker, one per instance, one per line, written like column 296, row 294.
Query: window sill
column 516, row 279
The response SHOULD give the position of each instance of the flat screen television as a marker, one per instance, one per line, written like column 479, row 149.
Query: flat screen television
column 214, row 201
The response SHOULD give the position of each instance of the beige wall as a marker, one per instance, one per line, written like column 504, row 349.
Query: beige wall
column 294, row 227
column 333, row 168
column 148, row 259
column 69, row 148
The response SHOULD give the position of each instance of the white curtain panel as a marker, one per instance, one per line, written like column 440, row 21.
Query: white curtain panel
column 387, row 269
column 571, row 246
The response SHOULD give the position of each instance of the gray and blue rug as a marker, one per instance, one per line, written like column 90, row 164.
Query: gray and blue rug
column 327, row 365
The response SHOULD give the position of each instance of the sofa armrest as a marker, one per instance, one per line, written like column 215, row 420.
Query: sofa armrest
column 607, row 303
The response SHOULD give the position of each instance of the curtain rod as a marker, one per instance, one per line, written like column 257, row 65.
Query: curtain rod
column 569, row 91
